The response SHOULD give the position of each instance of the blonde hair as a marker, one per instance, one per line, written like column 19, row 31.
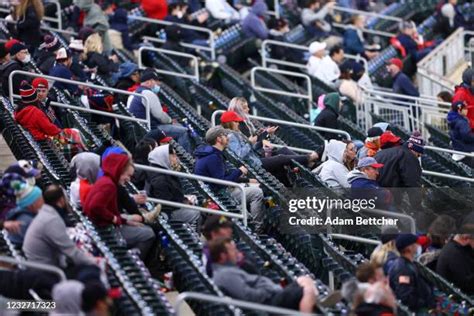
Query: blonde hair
column 237, row 105
column 20, row 9
column 93, row 44
column 379, row 256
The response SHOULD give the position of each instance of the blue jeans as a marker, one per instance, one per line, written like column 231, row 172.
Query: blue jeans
column 179, row 133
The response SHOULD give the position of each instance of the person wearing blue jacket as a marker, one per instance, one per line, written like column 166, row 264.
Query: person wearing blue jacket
column 401, row 83
column 210, row 162
column 462, row 137
column 253, row 24
column 353, row 41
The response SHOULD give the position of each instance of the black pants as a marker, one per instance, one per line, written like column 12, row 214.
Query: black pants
column 289, row 298
column 281, row 158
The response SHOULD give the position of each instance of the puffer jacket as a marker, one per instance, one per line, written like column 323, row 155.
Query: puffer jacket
column 460, row 132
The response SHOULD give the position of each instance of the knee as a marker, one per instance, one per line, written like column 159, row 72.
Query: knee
column 147, row 233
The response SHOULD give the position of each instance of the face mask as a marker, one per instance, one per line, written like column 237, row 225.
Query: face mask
column 180, row 15
column 27, row 59
column 419, row 251
column 156, row 89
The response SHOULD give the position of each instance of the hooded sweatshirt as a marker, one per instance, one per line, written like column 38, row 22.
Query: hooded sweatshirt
column 68, row 298
column 333, row 171
column 101, row 204
column 95, row 17
column 328, row 116
column 464, row 92
column 87, row 167
column 253, row 24
column 460, row 132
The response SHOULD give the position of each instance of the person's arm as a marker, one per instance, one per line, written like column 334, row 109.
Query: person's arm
column 216, row 169
column 352, row 40
column 237, row 147
column 409, row 88
column 261, row 30
column 43, row 123
column 160, row 188
column 217, row 9
column 97, row 202
column 466, row 133
column 340, row 174
column 155, row 107
column 403, row 285
column 238, row 288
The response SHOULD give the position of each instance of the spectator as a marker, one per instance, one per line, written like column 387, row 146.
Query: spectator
column 95, row 59
column 25, row 169
column 42, row 89
column 46, row 55
column 155, row 9
column 385, row 254
column 328, row 116
column 210, row 163
column 462, row 137
column 378, row 300
column 140, row 156
column 119, row 23
column 450, row 11
column 253, row 25
column 67, row 295
column 177, row 13
column 62, row 69
column 96, row 19
column 354, row 42
column 167, row 187
column 8, row 201
column 465, row 92
column 369, row 272
column 315, row 61
column 371, row 144
column 456, row 262
column 445, row 96
column 96, row 300
column 128, row 80
column 19, row 58
column 407, row 282
column 4, row 55
column 86, row 166
column 364, row 185
column 389, row 140
column 101, row 204
column 330, row 71
column 222, row 10
column 315, row 22
column 28, row 202
column 300, row 295
column 348, row 87
column 246, row 148
column 149, row 88
column 340, row 162
column 52, row 245
column 28, row 14
column 401, row 83
column 412, row 42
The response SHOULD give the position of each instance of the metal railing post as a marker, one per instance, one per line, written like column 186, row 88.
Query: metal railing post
column 444, row 175
column 394, row 215
column 356, row 238
column 243, row 200
column 170, row 52
column 35, row 265
column 451, row 151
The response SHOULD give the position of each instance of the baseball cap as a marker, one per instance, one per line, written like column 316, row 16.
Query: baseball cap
column 230, row 116
column 396, row 61
column 316, row 47
column 148, row 74
column 369, row 162
column 215, row 222
column 405, row 240
column 214, row 132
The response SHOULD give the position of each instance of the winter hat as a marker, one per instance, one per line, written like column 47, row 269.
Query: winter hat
column 28, row 93
column 68, row 295
column 388, row 139
column 316, row 47
column 40, row 83
column 26, row 195
column 416, row 143
column 405, row 240
column 16, row 48
column 374, row 132
column 468, row 76
column 127, row 69
column 332, row 100
column 397, row 62
column 50, row 43
column 85, row 32
column 230, row 116
column 24, row 168
column 77, row 45
column 10, row 43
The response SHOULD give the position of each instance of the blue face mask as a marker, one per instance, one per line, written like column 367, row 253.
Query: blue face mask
column 156, row 89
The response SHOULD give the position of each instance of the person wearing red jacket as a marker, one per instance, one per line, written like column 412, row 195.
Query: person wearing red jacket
column 465, row 92
column 155, row 9
column 101, row 204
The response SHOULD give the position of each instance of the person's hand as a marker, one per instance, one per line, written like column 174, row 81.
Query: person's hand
column 267, row 144
column 331, row 4
column 139, row 198
column 313, row 156
column 135, row 218
column 253, row 139
column 174, row 121
column 271, row 129
column 192, row 199
column 253, row 181
column 134, row 223
column 114, row 58
column 13, row 227
column 307, row 283
column 244, row 170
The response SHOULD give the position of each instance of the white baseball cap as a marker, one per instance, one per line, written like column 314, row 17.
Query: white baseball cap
column 316, row 47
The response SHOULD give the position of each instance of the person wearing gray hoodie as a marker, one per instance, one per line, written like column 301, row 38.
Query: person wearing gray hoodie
column 68, row 298
column 167, row 187
column 87, row 166
column 253, row 24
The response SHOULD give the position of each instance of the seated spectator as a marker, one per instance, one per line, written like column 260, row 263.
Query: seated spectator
column 25, row 169
column 29, row 201
column 462, row 137
column 210, row 163
column 96, row 19
column 315, row 62
column 149, row 88
column 42, row 89
column 354, row 42
column 101, row 205
column 46, row 240
column 465, row 92
column 8, row 202
column 140, row 156
column 450, row 11
column 371, row 144
column 128, row 80
column 406, row 281
column 167, row 187
column 155, row 9
column 456, row 262
column 412, row 42
column 385, row 254
column 246, row 148
column 94, row 57
column 235, row 282
column 445, row 96
column 86, row 166
column 401, row 83
column 28, row 15
column 222, row 10
column 328, row 116
column 378, row 300
column 119, row 23
column 19, row 58
column 254, row 25
column 177, row 13
column 315, row 22
column 369, row 272
column 46, row 55
column 348, row 87
column 329, row 70
column 62, row 69
column 341, row 160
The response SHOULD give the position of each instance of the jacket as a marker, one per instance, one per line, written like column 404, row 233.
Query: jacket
column 155, row 9
column 369, row 309
column 308, row 17
column 403, row 85
column 163, row 186
column 95, row 17
column 253, row 25
column 333, row 171
column 401, row 168
column 61, row 71
column 28, row 27
column 123, row 84
column 50, row 246
column 101, row 204
column 365, row 188
column 353, row 44
column 410, row 45
column 119, row 23
column 137, row 108
column 328, row 116
column 6, row 69
column 221, row 10
column 409, row 286
column 460, row 132
column 464, row 93
column 45, row 60
column 210, row 163
column 25, row 217
column 36, row 122
column 243, row 149
column 105, row 67
column 241, row 285
column 456, row 264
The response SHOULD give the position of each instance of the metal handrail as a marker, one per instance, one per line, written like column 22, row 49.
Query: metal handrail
column 43, row 27
column 80, row 83
column 296, row 149
column 181, row 298
column 373, row 14
column 356, row 238
column 364, row 30
column 243, row 201
column 195, row 76
column 395, row 215
column 402, row 96
column 445, row 175
column 271, row 120
column 309, row 88
column 45, row 18
column 451, row 151
column 210, row 48
column 35, row 265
